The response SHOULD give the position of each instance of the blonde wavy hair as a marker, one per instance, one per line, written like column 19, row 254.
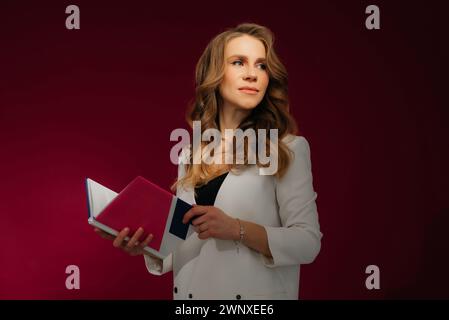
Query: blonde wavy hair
column 271, row 113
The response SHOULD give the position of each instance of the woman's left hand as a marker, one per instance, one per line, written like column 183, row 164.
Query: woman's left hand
column 212, row 222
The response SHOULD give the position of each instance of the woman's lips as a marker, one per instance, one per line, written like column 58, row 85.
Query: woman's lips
column 248, row 91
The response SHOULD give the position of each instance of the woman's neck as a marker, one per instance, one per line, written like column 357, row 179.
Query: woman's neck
column 231, row 117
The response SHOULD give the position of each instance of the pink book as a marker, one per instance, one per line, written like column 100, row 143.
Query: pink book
column 140, row 204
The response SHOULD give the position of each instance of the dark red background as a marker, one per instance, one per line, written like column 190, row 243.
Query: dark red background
column 101, row 102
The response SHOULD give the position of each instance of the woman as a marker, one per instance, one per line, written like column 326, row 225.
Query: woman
column 253, row 231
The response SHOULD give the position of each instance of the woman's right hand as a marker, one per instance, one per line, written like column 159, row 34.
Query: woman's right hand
column 132, row 247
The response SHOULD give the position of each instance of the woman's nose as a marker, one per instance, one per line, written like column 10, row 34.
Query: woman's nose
column 250, row 75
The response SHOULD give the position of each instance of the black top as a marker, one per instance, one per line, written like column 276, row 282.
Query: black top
column 206, row 194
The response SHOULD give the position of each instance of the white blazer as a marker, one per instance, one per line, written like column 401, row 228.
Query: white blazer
column 286, row 208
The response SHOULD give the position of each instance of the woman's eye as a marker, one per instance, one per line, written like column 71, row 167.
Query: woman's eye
column 262, row 66
column 238, row 63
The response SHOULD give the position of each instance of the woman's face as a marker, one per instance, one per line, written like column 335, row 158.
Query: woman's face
column 245, row 76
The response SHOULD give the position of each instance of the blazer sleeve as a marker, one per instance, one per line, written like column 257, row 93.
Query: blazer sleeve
column 298, row 240
column 156, row 266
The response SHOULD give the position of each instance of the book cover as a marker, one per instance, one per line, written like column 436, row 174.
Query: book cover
column 140, row 204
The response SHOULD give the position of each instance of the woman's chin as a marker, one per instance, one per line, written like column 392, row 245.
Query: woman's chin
column 248, row 105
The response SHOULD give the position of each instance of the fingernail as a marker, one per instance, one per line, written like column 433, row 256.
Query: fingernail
column 126, row 229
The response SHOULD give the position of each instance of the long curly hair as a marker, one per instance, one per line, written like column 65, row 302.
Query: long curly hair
column 271, row 113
